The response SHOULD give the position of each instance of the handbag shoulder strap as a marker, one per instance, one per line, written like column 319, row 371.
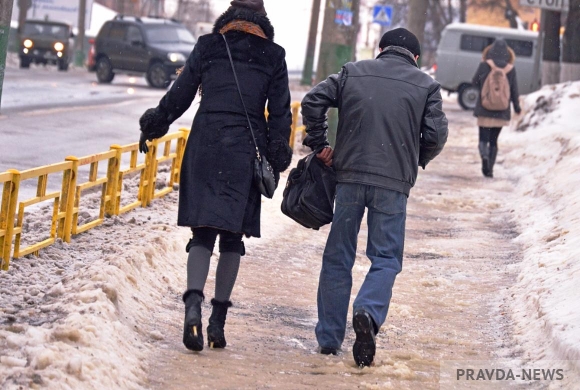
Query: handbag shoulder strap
column 241, row 98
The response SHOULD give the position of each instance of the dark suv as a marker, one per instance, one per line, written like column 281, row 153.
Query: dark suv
column 44, row 42
column 150, row 46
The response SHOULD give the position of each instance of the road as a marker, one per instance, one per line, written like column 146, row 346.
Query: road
column 47, row 115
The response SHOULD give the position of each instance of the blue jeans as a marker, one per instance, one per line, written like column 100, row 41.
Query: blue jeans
column 387, row 211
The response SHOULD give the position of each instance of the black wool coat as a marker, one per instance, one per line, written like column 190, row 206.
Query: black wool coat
column 216, row 177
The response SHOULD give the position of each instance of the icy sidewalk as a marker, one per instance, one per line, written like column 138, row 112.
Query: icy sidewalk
column 545, row 161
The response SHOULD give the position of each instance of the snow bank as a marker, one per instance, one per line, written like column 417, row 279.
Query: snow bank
column 70, row 322
column 545, row 159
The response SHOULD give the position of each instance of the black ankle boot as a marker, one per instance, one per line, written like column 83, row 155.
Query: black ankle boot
column 192, row 334
column 492, row 157
column 484, row 153
column 217, row 321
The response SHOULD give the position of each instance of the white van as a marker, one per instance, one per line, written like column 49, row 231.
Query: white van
column 459, row 55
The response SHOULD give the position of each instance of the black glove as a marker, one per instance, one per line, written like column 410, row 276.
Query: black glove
column 279, row 154
column 143, row 148
column 153, row 124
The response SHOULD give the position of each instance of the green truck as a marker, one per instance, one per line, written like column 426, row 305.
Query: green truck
column 46, row 42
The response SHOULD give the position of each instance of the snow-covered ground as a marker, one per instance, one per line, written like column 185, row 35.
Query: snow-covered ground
column 545, row 161
column 70, row 321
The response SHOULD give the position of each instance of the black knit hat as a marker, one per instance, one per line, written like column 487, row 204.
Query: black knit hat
column 403, row 38
column 255, row 5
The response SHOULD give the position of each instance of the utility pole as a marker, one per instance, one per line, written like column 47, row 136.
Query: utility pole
column 80, row 39
column 311, row 47
column 5, row 17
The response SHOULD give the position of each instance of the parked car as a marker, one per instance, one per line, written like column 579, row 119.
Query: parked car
column 45, row 42
column 152, row 47
column 460, row 52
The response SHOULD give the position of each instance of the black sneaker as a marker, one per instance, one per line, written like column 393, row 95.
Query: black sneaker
column 364, row 347
column 328, row 351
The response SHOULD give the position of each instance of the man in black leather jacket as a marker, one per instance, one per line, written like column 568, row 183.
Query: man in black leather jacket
column 390, row 122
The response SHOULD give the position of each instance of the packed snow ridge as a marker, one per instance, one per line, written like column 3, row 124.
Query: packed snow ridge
column 546, row 160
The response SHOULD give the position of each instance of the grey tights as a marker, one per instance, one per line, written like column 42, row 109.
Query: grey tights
column 226, row 273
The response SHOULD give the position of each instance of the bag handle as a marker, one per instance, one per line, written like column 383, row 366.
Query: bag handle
column 242, row 99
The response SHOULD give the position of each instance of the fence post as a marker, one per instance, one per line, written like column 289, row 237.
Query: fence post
column 151, row 163
column 113, row 169
column 295, row 108
column 11, row 195
column 69, row 184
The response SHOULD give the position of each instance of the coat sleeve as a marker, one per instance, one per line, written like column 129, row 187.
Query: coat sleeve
column 480, row 74
column 179, row 98
column 279, row 153
column 514, row 93
column 315, row 106
column 434, row 127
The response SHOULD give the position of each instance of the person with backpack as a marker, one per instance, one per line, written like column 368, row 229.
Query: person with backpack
column 391, row 122
column 217, row 193
column 497, row 83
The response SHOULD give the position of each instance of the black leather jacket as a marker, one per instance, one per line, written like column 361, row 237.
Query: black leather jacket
column 390, row 120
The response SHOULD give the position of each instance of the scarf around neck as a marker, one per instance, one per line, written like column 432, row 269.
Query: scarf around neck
column 244, row 26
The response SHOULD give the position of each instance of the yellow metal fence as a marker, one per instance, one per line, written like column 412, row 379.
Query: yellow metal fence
column 66, row 202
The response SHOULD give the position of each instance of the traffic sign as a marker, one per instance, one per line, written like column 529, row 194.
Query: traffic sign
column 343, row 17
column 554, row 5
column 383, row 15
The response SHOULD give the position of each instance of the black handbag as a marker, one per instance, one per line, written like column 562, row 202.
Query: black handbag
column 264, row 178
column 309, row 193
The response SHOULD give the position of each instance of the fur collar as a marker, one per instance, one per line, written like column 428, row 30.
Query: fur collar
column 400, row 51
column 239, row 13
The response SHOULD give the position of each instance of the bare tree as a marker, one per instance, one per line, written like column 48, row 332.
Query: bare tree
column 505, row 6
column 192, row 12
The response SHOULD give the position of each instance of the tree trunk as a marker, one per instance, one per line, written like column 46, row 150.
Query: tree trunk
column 5, row 16
column 462, row 11
column 551, row 52
column 311, row 47
column 337, row 47
column 570, row 69
column 23, row 7
column 511, row 14
column 417, row 18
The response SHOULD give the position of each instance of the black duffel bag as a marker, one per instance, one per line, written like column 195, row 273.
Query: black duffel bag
column 309, row 193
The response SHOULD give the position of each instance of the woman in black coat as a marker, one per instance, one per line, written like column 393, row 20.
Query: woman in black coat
column 490, row 122
column 216, row 194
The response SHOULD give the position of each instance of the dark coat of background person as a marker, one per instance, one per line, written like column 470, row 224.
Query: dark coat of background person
column 375, row 144
column 216, row 187
column 481, row 74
